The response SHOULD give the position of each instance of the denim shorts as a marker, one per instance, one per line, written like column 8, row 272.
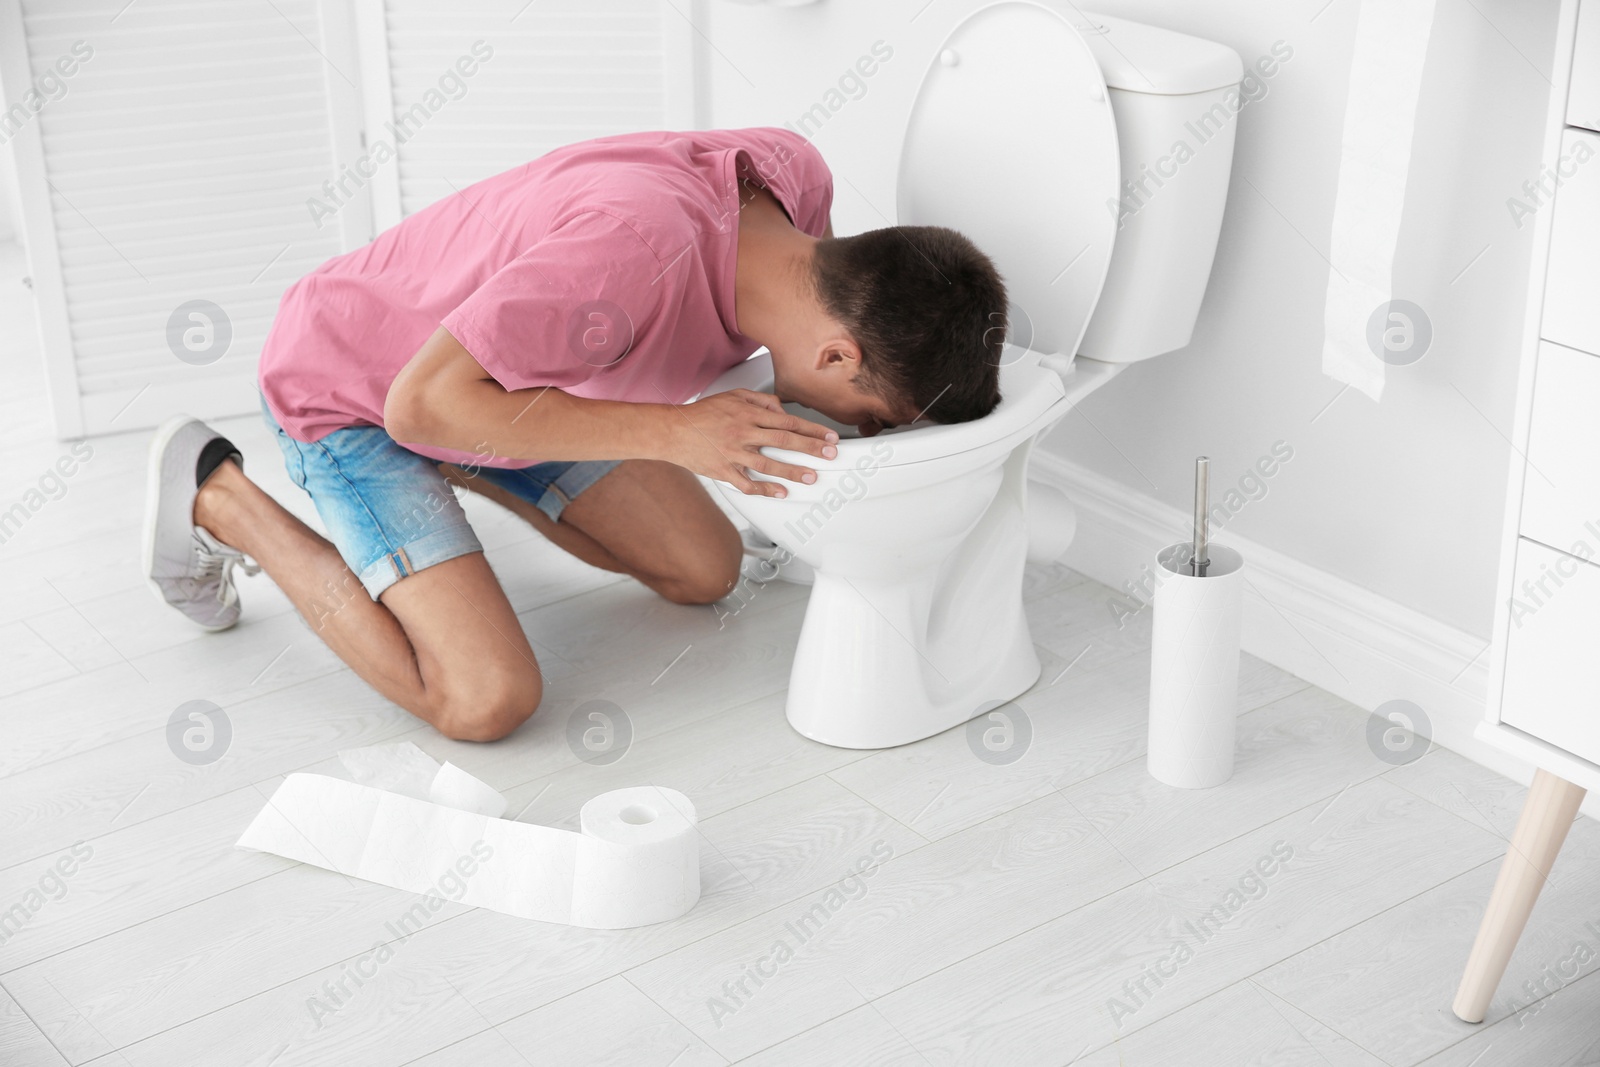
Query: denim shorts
column 389, row 510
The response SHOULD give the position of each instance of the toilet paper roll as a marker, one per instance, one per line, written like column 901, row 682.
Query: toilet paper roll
column 1194, row 667
column 455, row 788
column 398, row 768
column 634, row 860
column 405, row 769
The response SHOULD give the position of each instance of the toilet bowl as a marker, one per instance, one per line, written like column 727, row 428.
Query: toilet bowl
column 916, row 538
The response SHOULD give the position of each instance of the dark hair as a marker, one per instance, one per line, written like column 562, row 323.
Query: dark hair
column 928, row 310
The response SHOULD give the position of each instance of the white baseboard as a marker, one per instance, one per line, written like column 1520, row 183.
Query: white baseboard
column 1317, row 626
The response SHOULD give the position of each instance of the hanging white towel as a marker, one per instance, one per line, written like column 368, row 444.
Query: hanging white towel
column 1380, row 117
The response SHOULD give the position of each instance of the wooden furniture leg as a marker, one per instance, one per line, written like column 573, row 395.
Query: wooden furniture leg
column 1546, row 817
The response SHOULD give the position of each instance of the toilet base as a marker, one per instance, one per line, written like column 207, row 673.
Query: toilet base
column 859, row 682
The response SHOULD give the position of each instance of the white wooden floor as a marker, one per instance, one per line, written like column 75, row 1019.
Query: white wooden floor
column 1016, row 907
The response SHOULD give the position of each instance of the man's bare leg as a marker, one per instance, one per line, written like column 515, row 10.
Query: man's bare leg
column 443, row 643
column 563, row 535
column 646, row 518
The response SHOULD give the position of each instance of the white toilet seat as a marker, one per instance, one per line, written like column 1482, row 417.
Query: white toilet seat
column 1029, row 390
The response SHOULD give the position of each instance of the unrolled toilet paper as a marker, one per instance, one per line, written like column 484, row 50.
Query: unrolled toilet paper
column 1390, row 45
column 406, row 822
column 1194, row 667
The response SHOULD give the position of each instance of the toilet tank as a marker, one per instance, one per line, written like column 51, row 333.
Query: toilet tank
column 1175, row 99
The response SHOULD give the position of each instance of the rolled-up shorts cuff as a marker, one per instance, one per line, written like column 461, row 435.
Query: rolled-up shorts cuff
column 443, row 544
column 574, row 480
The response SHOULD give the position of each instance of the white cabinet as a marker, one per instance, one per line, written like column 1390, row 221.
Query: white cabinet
column 1572, row 279
column 1553, row 484
column 1552, row 672
column 1544, row 689
column 1583, row 98
column 1561, row 487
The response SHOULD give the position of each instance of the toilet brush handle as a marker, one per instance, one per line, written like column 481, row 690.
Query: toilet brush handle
column 1202, row 470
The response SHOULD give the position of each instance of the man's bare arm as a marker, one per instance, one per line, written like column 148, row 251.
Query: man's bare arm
column 445, row 399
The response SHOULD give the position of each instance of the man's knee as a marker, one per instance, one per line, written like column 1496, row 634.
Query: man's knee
column 491, row 704
column 709, row 577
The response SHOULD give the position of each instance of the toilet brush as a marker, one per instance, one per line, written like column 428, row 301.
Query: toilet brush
column 1194, row 654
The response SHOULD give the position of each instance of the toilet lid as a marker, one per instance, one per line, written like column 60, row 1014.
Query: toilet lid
column 1012, row 141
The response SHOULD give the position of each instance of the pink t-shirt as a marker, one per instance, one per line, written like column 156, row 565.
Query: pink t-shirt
column 604, row 268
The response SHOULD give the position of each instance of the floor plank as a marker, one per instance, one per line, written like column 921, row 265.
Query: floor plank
column 1081, row 622
column 766, row 756
column 134, row 874
column 861, row 1037
column 635, row 1032
column 1119, row 964
column 1083, row 723
column 1241, row 1026
column 139, row 981
column 1388, row 981
column 30, row 660
column 1561, row 1033
column 22, row 1044
column 48, row 808
column 902, row 918
column 1308, row 744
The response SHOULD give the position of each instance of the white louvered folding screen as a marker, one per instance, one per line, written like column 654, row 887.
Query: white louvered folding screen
column 216, row 150
column 557, row 71
column 174, row 166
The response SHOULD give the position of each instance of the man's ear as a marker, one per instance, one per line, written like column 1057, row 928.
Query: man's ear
column 839, row 352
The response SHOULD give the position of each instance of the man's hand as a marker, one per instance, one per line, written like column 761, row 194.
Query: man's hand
column 721, row 436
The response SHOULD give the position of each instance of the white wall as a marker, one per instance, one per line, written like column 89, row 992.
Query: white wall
column 1402, row 498
column 10, row 208
column 10, row 202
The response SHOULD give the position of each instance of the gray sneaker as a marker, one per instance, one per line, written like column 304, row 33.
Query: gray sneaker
column 764, row 560
column 186, row 566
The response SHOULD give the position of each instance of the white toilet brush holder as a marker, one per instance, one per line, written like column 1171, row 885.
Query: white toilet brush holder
column 1194, row 657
